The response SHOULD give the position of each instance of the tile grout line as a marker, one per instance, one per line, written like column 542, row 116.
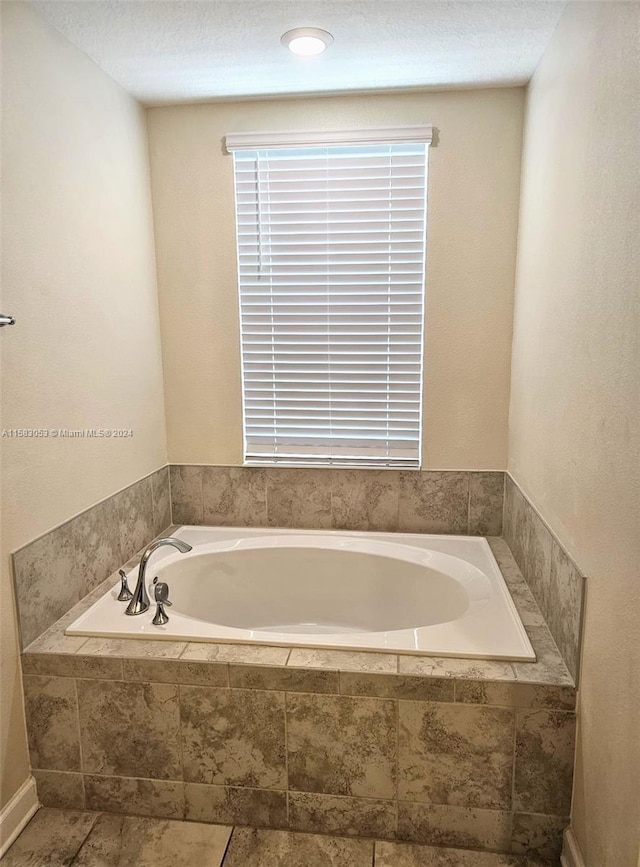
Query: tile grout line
column 513, row 777
column 82, row 772
column 74, row 860
column 170, row 495
column 397, row 774
column 201, row 486
column 181, row 745
column 226, row 848
column 286, row 758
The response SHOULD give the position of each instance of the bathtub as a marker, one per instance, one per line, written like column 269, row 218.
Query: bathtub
column 409, row 593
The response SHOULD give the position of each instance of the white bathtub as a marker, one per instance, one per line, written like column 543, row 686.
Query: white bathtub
column 432, row 595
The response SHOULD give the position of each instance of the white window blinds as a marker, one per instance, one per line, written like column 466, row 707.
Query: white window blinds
column 331, row 260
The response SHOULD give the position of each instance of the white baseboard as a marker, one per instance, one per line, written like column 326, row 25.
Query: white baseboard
column 571, row 854
column 17, row 813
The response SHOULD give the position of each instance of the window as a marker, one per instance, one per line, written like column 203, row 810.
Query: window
column 331, row 261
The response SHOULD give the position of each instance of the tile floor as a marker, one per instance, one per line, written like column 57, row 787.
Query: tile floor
column 64, row 838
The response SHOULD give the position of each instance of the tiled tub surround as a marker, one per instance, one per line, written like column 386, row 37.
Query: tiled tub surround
column 554, row 579
column 424, row 749
column 393, row 501
column 57, row 570
column 339, row 499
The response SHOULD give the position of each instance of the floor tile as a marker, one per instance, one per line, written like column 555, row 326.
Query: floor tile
column 66, row 838
column 250, row 848
column 51, row 839
column 410, row 855
column 127, row 841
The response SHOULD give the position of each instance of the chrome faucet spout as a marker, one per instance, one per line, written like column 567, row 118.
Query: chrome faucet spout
column 140, row 601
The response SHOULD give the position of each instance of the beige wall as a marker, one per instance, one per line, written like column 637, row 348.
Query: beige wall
column 78, row 273
column 473, row 201
column 574, row 442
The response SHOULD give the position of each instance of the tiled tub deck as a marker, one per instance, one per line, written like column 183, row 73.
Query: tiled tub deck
column 431, row 750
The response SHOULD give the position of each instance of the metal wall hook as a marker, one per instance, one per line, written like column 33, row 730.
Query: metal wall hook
column 6, row 320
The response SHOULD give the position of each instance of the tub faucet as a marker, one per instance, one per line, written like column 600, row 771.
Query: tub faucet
column 140, row 602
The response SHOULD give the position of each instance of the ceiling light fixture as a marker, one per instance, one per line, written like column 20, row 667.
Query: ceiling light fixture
column 307, row 41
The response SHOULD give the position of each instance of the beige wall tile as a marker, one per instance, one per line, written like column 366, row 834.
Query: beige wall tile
column 52, row 722
column 97, row 543
column 288, row 679
column 454, row 826
column 186, row 494
column 162, row 798
column 234, row 496
column 538, row 835
column 516, row 525
column 566, row 589
column 365, row 500
column 486, row 493
column 455, row 754
column 72, row 665
column 135, row 514
column 259, row 808
column 129, row 729
column 537, row 563
column 331, row 814
column 233, row 737
column 516, row 694
column 396, row 686
column 341, row 745
column 299, row 498
column 176, row 671
column 47, row 581
column 60, row 789
column 433, row 502
column 544, row 761
column 161, row 494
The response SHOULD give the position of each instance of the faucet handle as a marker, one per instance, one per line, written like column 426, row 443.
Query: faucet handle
column 125, row 594
column 161, row 593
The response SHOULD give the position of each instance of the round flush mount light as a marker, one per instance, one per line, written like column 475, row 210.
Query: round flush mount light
column 307, row 41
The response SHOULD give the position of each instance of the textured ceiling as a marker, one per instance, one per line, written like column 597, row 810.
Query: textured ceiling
column 179, row 50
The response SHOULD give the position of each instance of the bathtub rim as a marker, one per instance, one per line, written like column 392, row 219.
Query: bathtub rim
column 146, row 632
